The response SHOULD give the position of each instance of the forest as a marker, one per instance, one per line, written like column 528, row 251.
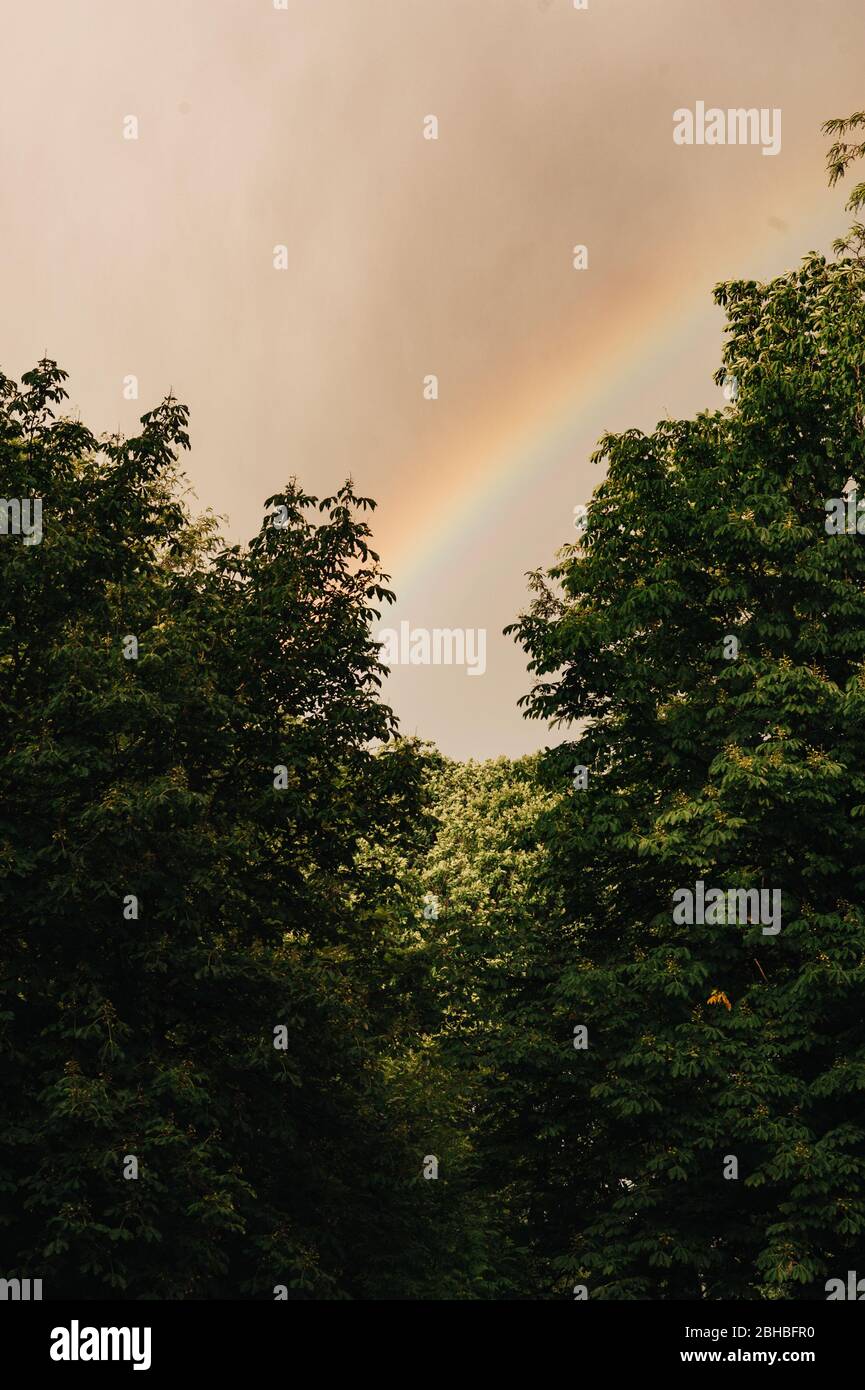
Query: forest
column 295, row 1007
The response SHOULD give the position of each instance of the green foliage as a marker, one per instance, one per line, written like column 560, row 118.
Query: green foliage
column 154, row 777
column 741, row 773
column 475, row 882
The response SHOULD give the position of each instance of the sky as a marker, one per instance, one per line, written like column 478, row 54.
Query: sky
column 154, row 155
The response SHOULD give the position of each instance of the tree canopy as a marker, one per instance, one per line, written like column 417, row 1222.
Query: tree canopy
column 711, row 634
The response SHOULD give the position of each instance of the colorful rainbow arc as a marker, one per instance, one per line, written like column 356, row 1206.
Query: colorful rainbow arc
column 527, row 441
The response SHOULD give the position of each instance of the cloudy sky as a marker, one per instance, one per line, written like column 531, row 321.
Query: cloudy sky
column 303, row 126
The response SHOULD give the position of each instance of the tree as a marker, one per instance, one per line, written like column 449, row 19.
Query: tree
column 708, row 637
column 474, row 888
column 188, row 769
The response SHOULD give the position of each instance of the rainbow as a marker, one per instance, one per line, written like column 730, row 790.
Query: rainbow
column 539, row 424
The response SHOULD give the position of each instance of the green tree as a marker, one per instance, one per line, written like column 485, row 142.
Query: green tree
column 741, row 771
column 476, row 886
column 223, row 778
